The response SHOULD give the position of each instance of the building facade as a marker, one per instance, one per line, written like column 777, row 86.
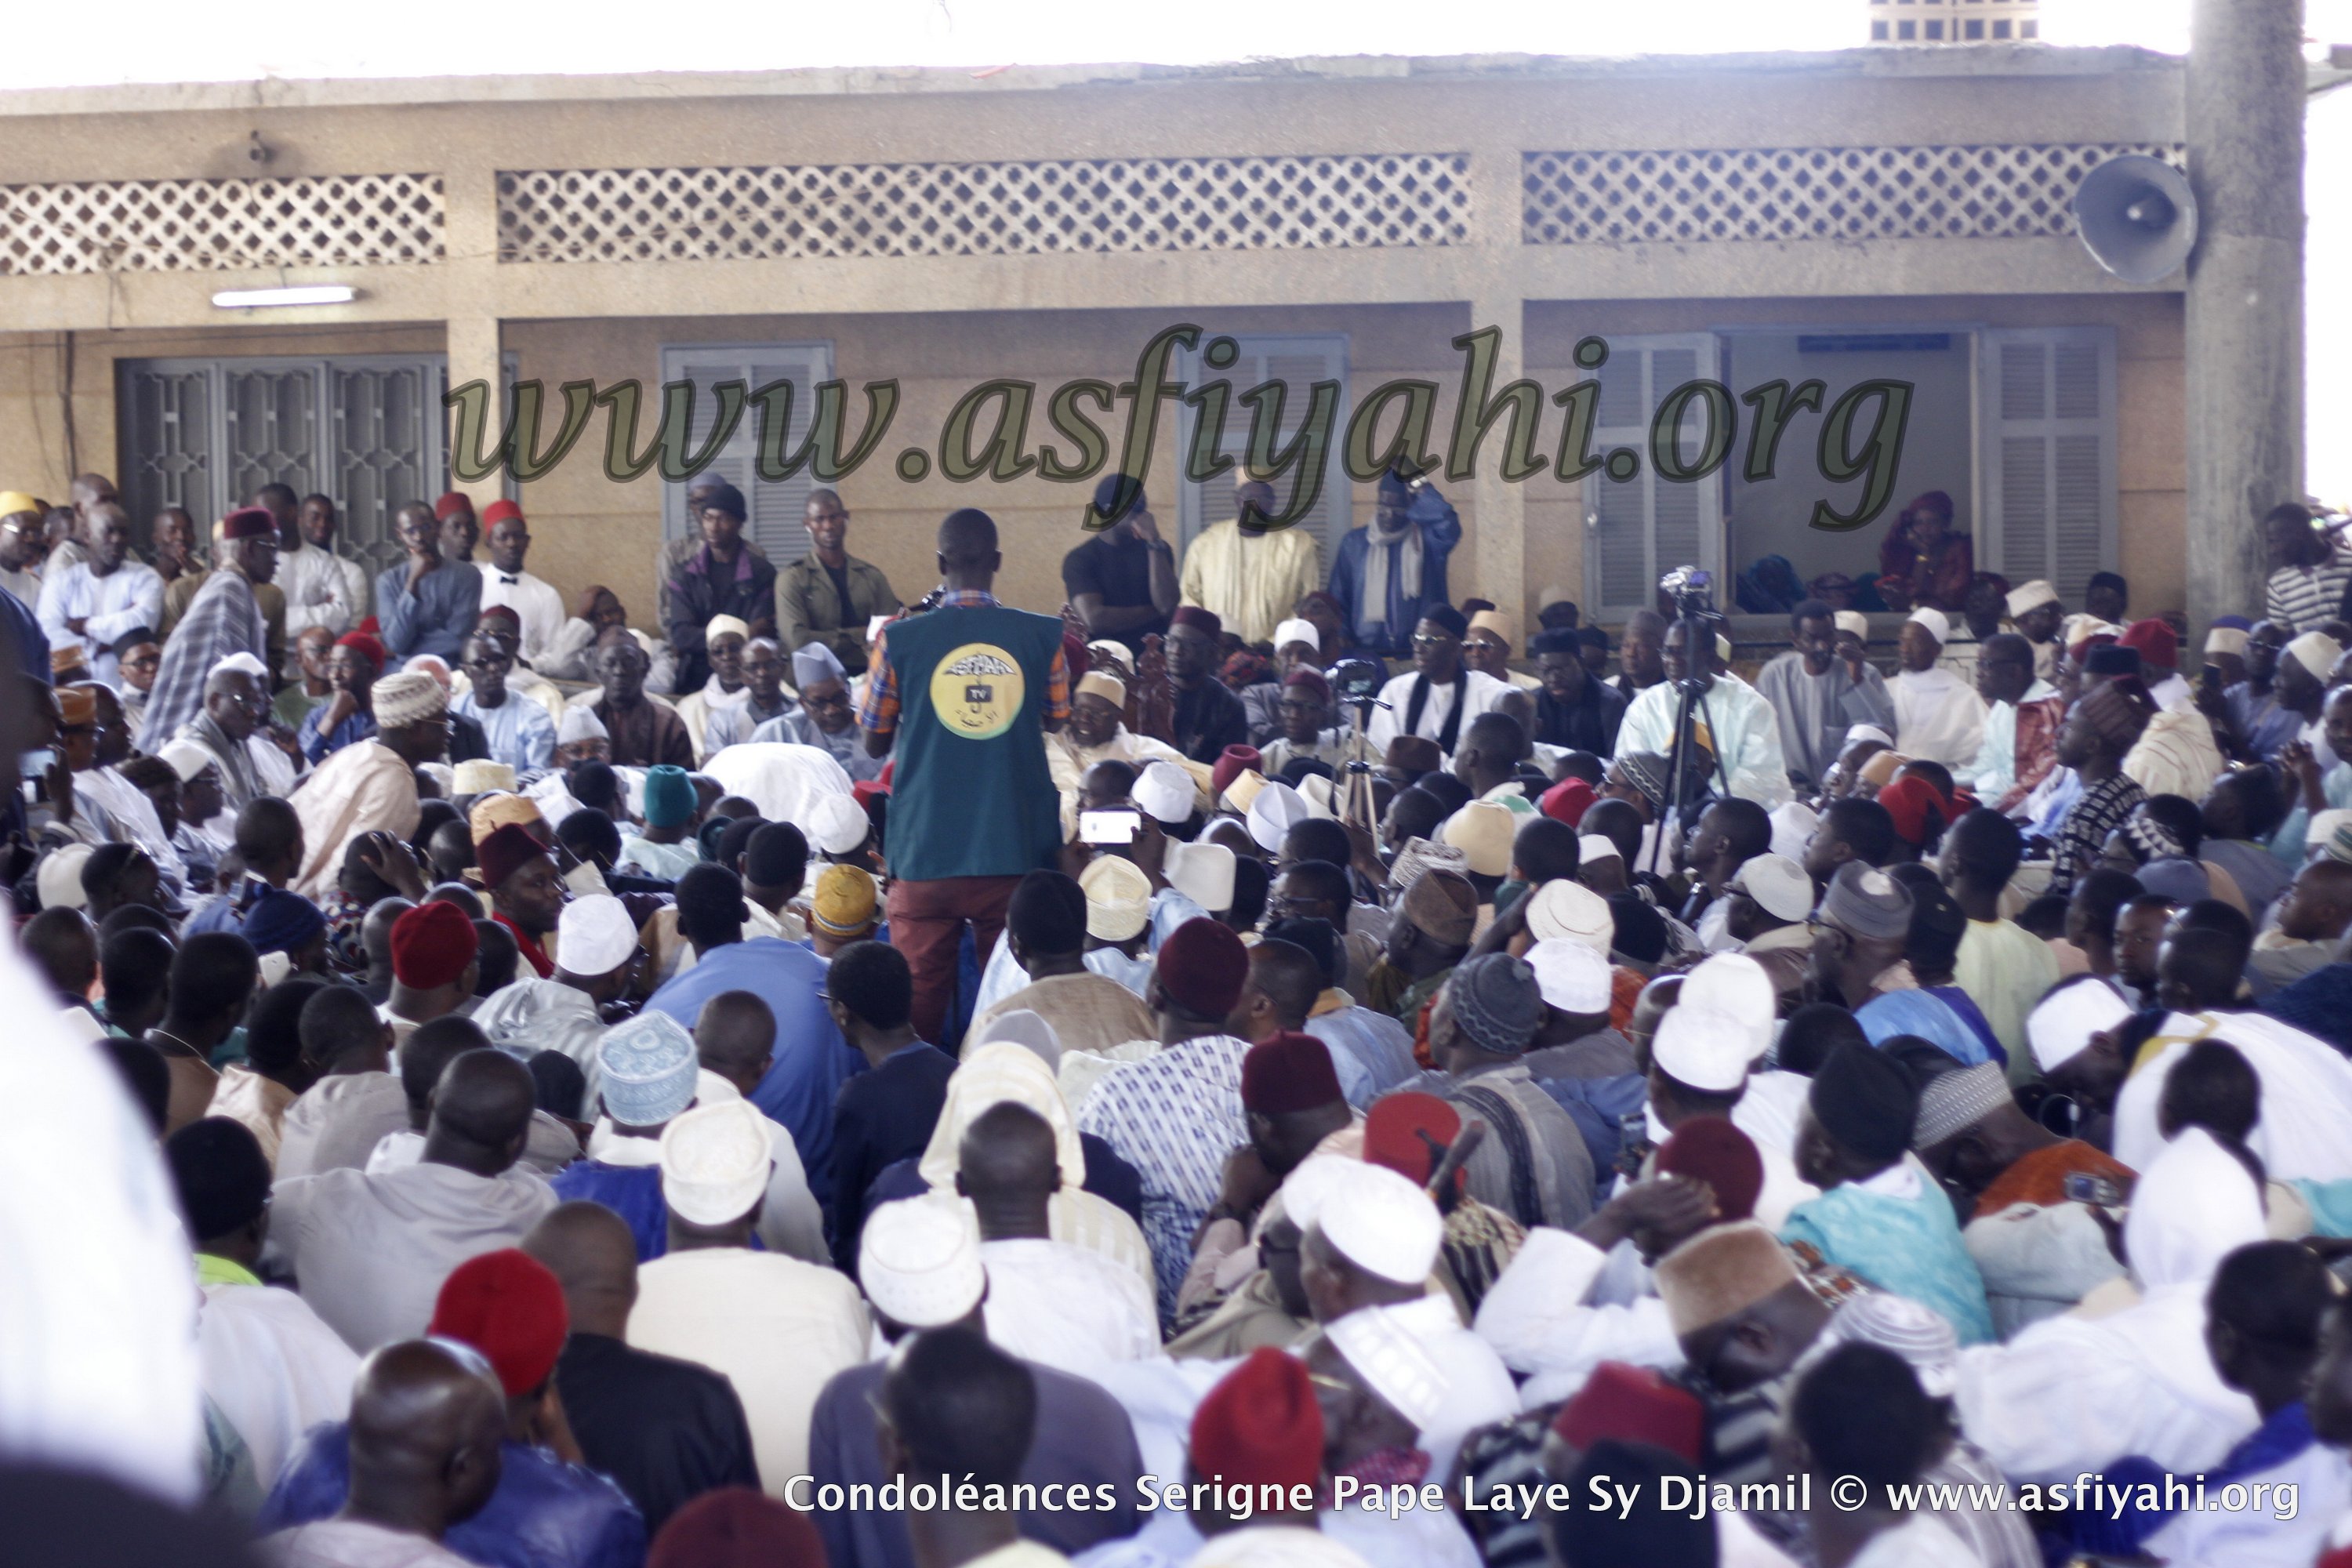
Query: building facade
column 1867, row 220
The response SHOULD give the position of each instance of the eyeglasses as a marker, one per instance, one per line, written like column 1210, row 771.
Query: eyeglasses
column 487, row 663
column 1423, row 639
column 838, row 700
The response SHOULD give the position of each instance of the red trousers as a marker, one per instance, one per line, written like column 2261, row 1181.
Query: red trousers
column 927, row 921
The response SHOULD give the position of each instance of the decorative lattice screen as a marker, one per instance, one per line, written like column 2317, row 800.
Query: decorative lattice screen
column 208, row 225
column 1811, row 193
column 1347, row 201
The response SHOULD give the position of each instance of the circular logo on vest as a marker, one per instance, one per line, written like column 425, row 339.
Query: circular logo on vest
column 977, row 692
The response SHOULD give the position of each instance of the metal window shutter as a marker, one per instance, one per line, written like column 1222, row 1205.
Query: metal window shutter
column 167, row 448
column 2048, row 437
column 1637, row 531
column 775, row 509
column 1297, row 363
column 381, row 422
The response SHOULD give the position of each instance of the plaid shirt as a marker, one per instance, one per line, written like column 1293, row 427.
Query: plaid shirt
column 878, row 713
column 2100, row 809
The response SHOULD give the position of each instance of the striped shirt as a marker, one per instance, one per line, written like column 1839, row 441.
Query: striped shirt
column 1174, row 1116
column 2303, row 596
column 2098, row 810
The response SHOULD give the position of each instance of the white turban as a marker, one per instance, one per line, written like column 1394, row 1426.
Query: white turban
column 580, row 723
column 1297, row 631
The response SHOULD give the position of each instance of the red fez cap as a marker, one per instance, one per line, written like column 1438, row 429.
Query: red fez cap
column 362, row 643
column 1231, row 764
column 451, row 504
column 371, row 625
column 1312, row 679
column 1289, row 1071
column 501, row 613
column 1261, row 1425
column 497, row 512
column 248, row 522
column 1393, row 1130
column 1076, row 659
column 1202, row 967
column 432, row 945
column 504, row 851
column 736, row 1527
column 2154, row 640
column 1632, row 1404
column 1919, row 810
column 508, row 1305
column 1711, row 1149
column 866, row 791
column 1568, row 800
column 1194, row 615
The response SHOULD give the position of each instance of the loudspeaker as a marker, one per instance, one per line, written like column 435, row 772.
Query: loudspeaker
column 2137, row 217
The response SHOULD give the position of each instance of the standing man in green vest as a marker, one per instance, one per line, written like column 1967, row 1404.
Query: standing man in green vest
column 968, row 689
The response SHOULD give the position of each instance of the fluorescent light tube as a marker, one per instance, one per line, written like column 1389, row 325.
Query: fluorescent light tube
column 264, row 299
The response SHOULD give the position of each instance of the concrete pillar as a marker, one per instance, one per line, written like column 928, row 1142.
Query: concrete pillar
column 473, row 356
column 1498, row 569
column 2244, row 348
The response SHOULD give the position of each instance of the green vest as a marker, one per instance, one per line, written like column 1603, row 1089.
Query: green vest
column 970, row 794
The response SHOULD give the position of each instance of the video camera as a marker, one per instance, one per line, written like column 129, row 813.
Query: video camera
column 1692, row 590
column 1354, row 680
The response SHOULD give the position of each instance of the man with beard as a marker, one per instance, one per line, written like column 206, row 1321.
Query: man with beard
column 1441, row 695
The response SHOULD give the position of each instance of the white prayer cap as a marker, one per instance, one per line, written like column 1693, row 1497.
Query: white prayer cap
column 1391, row 1360
column 1734, row 984
column 1778, row 884
column 646, row 1070
column 1793, row 824
column 2060, row 1029
column 1572, row 975
column 1853, row 621
column 186, row 758
column 1165, row 791
column 1382, row 1223
column 1703, row 1047
column 721, row 626
column 813, row 662
column 1483, row 831
column 1566, row 910
column 594, row 935
column 408, row 698
column 2225, row 639
column 2319, row 838
column 2316, row 652
column 1110, row 648
column 1315, row 789
column 1866, row 733
column 1102, row 683
column 480, row 777
column 715, row 1161
column 1118, row 898
column 1297, row 631
column 1314, row 1178
column 2193, row 1206
column 1939, row 626
column 837, row 824
column 1920, row 1335
column 1952, row 1102
column 431, row 664
column 1591, row 846
column 1274, row 1546
column 1271, row 814
column 59, row 881
column 580, row 723
column 1023, row 1028
column 1203, row 873
column 918, row 1259
column 2031, row 596
column 245, row 664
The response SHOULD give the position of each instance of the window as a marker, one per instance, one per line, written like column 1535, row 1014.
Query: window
column 1906, row 30
column 2046, row 439
column 2029, row 28
column 1637, row 531
column 1975, row 27
column 1936, row 29
column 1298, row 363
column 1878, row 32
column 2000, row 29
column 775, row 509
column 369, row 431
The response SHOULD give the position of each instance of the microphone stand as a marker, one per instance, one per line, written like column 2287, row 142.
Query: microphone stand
column 1690, row 701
